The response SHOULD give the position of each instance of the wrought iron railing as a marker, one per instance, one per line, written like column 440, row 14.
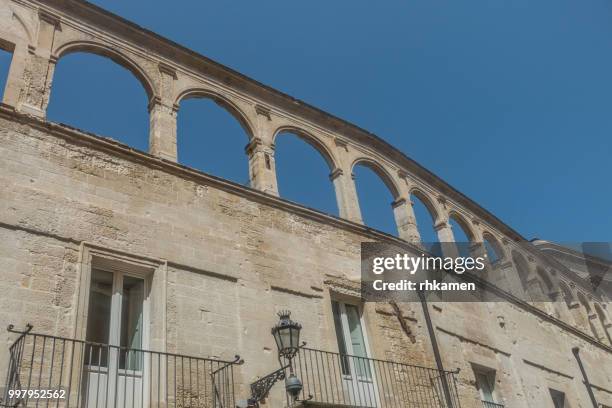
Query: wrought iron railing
column 345, row 380
column 488, row 404
column 61, row 372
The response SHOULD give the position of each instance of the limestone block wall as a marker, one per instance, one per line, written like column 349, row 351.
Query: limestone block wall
column 227, row 258
column 224, row 258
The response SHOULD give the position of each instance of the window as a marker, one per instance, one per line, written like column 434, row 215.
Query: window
column 485, row 383
column 357, row 371
column 115, row 317
column 115, row 338
column 558, row 399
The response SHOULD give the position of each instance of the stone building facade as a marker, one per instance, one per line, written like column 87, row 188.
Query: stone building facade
column 218, row 259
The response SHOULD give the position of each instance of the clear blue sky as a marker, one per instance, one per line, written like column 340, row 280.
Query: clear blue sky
column 508, row 101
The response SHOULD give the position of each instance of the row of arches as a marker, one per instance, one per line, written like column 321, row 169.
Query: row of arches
column 586, row 313
column 218, row 130
column 562, row 298
column 166, row 97
column 85, row 89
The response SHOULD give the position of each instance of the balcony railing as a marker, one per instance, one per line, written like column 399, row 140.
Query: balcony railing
column 343, row 380
column 61, row 372
column 488, row 404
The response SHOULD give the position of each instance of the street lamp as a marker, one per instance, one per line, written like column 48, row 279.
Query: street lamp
column 287, row 335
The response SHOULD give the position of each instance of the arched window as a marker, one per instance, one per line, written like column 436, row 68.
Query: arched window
column 376, row 193
column 211, row 137
column 493, row 249
column 302, row 171
column 462, row 234
column 426, row 216
column 96, row 94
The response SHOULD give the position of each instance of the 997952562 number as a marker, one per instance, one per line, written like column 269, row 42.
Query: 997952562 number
column 37, row 394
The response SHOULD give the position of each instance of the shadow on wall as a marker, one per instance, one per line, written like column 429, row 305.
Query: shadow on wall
column 97, row 95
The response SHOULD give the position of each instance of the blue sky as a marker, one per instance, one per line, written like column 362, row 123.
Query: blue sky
column 508, row 101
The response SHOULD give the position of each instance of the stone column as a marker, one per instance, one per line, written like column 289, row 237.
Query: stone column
column 446, row 239
column 262, row 168
column 162, row 117
column 162, row 130
column 406, row 221
column 477, row 247
column 37, row 71
column 346, row 196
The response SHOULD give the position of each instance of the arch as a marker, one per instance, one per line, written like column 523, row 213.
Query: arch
column 465, row 226
column 602, row 315
column 112, row 54
column 302, row 167
column 568, row 296
column 312, row 141
column 380, row 171
column 427, row 202
column 604, row 321
column 223, row 102
column 543, row 275
column 584, row 302
column 495, row 252
column 111, row 91
column 522, row 268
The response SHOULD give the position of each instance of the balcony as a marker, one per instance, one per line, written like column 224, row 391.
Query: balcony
column 339, row 380
column 63, row 372
column 488, row 404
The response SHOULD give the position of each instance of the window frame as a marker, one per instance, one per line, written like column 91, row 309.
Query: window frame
column 489, row 375
column 152, row 271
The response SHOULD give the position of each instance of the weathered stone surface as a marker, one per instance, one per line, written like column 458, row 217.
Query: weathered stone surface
column 225, row 257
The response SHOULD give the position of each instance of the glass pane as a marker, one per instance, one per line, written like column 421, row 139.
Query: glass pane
column 485, row 387
column 340, row 337
column 98, row 317
column 357, row 341
column 131, row 323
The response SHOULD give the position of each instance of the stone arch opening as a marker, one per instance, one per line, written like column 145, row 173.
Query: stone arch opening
column 462, row 233
column 522, row 269
column 303, row 167
column 584, row 302
column 568, row 296
column 220, row 101
column 116, row 56
column 6, row 56
column 376, row 192
column 493, row 248
column 309, row 139
column 604, row 321
column 426, row 216
column 87, row 83
column 545, row 278
column 211, row 135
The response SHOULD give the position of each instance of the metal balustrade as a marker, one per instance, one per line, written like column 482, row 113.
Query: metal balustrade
column 59, row 372
column 344, row 380
column 489, row 404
